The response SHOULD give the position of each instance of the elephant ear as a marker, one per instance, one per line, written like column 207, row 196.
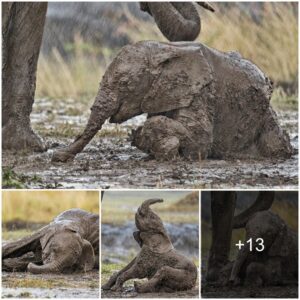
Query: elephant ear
column 47, row 236
column 280, row 246
column 157, row 242
column 87, row 259
column 23, row 245
column 180, row 72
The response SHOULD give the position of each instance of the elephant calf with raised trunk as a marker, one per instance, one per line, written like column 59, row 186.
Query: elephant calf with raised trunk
column 166, row 269
column 200, row 103
column 69, row 243
column 278, row 262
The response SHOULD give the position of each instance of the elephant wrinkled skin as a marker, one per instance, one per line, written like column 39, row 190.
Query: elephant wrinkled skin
column 69, row 243
column 166, row 269
column 277, row 263
column 200, row 103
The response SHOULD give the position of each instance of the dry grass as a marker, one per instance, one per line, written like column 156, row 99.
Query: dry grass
column 272, row 45
column 43, row 206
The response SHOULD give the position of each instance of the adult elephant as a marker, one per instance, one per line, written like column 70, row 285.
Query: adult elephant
column 223, row 205
column 22, row 31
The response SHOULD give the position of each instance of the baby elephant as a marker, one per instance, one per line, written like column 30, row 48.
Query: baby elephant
column 201, row 103
column 69, row 243
column 277, row 263
column 166, row 269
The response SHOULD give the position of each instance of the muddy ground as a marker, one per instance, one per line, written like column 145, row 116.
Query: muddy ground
column 26, row 285
column 110, row 161
column 130, row 293
column 253, row 292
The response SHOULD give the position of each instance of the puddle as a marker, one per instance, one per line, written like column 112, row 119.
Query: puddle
column 110, row 161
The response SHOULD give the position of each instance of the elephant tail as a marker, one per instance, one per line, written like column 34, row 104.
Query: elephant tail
column 263, row 201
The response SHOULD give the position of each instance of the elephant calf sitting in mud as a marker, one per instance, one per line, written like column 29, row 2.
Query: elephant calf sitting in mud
column 166, row 269
column 201, row 103
column 277, row 263
column 69, row 243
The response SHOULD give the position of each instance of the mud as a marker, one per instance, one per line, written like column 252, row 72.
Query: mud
column 110, row 161
column 131, row 293
column 253, row 292
column 26, row 285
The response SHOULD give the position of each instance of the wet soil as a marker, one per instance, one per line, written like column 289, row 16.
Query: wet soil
column 131, row 293
column 26, row 285
column 253, row 292
column 110, row 161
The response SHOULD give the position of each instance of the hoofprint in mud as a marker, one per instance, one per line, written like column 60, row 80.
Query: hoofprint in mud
column 110, row 161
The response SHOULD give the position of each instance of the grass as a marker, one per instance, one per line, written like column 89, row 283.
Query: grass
column 43, row 206
column 272, row 44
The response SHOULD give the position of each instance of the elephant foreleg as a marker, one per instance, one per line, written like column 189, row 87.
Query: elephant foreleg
column 222, row 211
column 19, row 264
column 234, row 276
column 112, row 280
column 166, row 139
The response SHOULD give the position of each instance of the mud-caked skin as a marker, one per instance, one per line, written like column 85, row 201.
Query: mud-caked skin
column 69, row 243
column 166, row 269
column 277, row 263
column 200, row 103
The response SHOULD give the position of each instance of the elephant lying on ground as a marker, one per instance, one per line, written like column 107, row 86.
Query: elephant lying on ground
column 200, row 103
column 166, row 269
column 69, row 243
column 277, row 263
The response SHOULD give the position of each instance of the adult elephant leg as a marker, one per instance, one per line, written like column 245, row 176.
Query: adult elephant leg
column 105, row 105
column 22, row 31
column 222, row 212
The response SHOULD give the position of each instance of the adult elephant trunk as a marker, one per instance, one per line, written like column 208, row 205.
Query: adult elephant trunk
column 144, row 208
column 178, row 21
column 104, row 107
column 53, row 267
column 263, row 201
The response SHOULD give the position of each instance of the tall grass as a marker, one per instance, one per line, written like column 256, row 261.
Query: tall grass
column 43, row 206
column 272, row 44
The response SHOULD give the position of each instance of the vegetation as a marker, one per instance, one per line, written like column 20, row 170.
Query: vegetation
column 43, row 206
column 271, row 43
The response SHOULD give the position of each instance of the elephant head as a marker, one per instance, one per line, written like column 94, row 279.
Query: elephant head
column 64, row 249
column 151, row 229
column 178, row 21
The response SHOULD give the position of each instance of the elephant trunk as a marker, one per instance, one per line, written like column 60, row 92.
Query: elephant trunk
column 105, row 105
column 53, row 267
column 178, row 21
column 144, row 208
column 263, row 201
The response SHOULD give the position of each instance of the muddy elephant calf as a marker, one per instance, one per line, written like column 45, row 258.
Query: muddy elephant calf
column 166, row 269
column 277, row 263
column 69, row 243
column 200, row 103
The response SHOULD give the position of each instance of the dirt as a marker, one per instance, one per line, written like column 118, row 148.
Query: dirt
column 131, row 293
column 26, row 285
column 110, row 161
column 253, row 292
